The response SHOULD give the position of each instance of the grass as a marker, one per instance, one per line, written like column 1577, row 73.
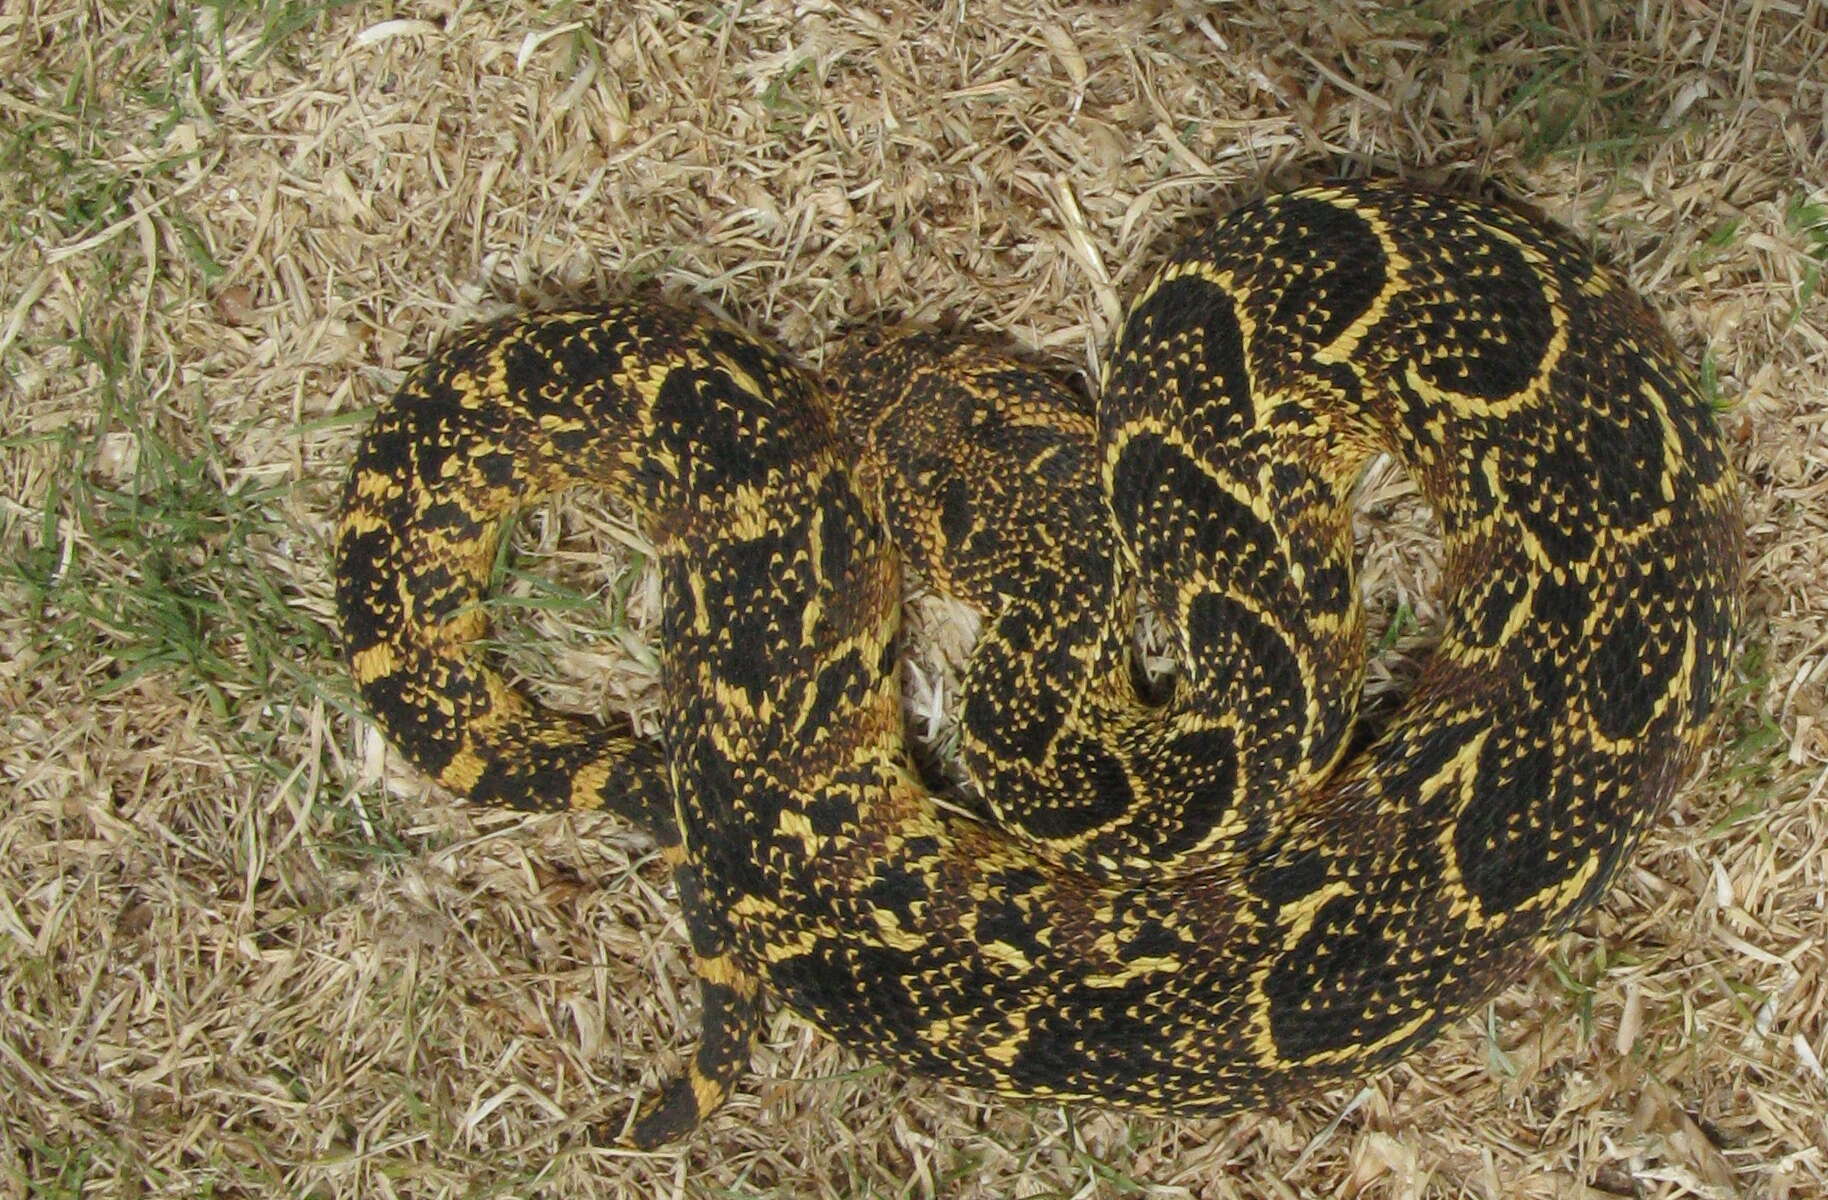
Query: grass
column 146, row 563
column 1809, row 220
column 245, row 951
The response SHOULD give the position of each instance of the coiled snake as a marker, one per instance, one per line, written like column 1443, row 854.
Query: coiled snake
column 1195, row 903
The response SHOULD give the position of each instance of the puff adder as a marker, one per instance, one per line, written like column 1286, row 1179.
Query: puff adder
column 1198, row 902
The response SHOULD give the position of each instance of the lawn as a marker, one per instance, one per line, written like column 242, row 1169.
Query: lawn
column 245, row 950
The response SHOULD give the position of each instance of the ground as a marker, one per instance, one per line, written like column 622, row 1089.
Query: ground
column 248, row 952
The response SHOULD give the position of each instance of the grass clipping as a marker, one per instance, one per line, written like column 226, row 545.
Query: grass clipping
column 245, row 952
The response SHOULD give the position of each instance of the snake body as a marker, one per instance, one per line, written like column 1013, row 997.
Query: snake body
column 1201, row 902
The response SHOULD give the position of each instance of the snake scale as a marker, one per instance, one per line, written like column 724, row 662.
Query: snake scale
column 1202, row 901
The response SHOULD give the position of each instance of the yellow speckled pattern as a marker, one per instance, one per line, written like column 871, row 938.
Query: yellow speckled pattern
column 1192, row 903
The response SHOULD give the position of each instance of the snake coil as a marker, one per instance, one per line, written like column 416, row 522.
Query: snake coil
column 1196, row 903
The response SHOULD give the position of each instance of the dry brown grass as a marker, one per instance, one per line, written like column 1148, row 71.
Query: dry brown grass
column 246, row 953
